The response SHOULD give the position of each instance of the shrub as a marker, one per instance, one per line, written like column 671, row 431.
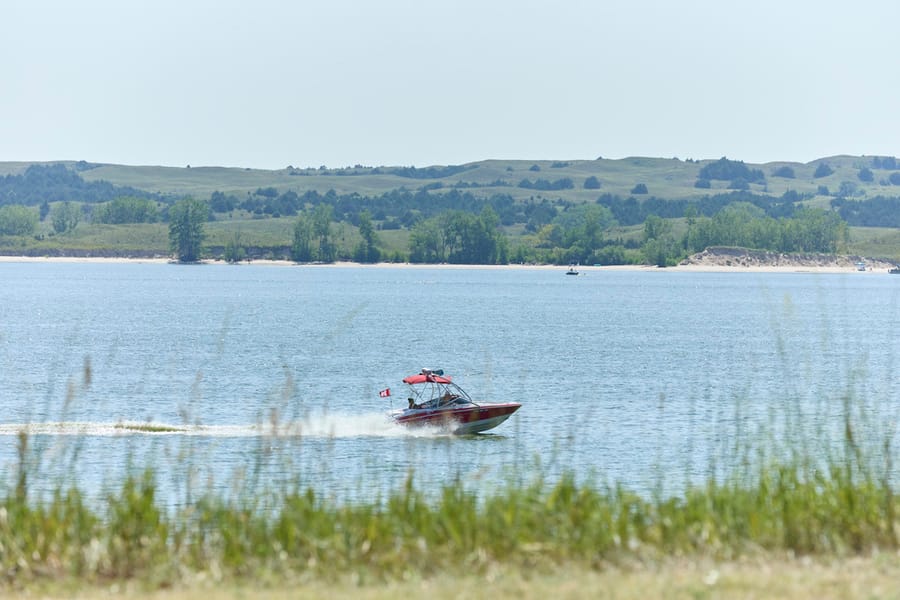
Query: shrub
column 823, row 170
column 729, row 170
column 785, row 171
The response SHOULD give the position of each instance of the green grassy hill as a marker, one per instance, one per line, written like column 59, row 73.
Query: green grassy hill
column 664, row 178
column 669, row 179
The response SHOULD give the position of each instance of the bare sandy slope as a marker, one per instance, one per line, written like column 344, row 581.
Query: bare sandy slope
column 740, row 259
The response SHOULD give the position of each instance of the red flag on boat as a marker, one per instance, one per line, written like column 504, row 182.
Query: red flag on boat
column 384, row 393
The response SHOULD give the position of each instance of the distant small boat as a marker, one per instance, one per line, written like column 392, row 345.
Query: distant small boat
column 895, row 270
column 572, row 270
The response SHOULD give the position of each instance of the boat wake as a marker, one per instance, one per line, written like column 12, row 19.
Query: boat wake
column 321, row 426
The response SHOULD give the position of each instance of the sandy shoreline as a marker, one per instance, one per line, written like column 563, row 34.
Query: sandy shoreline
column 701, row 267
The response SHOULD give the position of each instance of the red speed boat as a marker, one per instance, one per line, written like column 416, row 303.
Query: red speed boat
column 436, row 401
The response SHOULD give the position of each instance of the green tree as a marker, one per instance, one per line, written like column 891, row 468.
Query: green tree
column 696, row 238
column 733, row 225
column 579, row 230
column 884, row 162
column 823, row 170
column 784, row 171
column 471, row 239
column 367, row 251
column 655, row 252
column 221, row 203
column 301, row 248
column 847, row 188
column 819, row 230
column 16, row 219
column 745, row 225
column 186, row 235
column 656, row 227
column 322, row 230
column 126, row 209
column 729, row 170
column 426, row 242
column 610, row 255
column 549, row 236
column 65, row 217
column 234, row 251
column 659, row 246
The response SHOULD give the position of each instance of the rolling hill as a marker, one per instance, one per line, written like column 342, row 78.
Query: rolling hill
column 823, row 183
column 664, row 178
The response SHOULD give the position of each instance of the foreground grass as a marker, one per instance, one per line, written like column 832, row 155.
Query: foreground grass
column 534, row 530
column 761, row 577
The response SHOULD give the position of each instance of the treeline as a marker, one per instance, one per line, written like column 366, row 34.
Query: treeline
column 453, row 236
column 579, row 234
column 630, row 211
column 17, row 219
column 402, row 208
column 739, row 175
column 40, row 184
column 731, row 170
column 395, row 209
column 745, row 225
column 126, row 210
column 435, row 172
column 425, row 173
column 460, row 238
column 880, row 211
column 564, row 183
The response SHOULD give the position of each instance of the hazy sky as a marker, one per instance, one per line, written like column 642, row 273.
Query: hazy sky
column 271, row 83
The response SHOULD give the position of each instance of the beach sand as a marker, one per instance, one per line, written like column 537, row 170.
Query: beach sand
column 710, row 261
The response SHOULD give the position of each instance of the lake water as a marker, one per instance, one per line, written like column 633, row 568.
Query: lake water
column 256, row 376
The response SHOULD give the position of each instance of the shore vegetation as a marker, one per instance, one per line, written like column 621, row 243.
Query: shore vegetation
column 489, row 212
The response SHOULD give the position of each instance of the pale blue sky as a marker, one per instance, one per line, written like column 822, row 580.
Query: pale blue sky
column 271, row 83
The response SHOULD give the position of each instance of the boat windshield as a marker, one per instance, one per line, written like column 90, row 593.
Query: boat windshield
column 437, row 394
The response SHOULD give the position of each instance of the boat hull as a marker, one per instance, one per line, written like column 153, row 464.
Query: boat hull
column 458, row 420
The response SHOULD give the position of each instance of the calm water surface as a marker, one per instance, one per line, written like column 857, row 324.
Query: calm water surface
column 265, row 375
